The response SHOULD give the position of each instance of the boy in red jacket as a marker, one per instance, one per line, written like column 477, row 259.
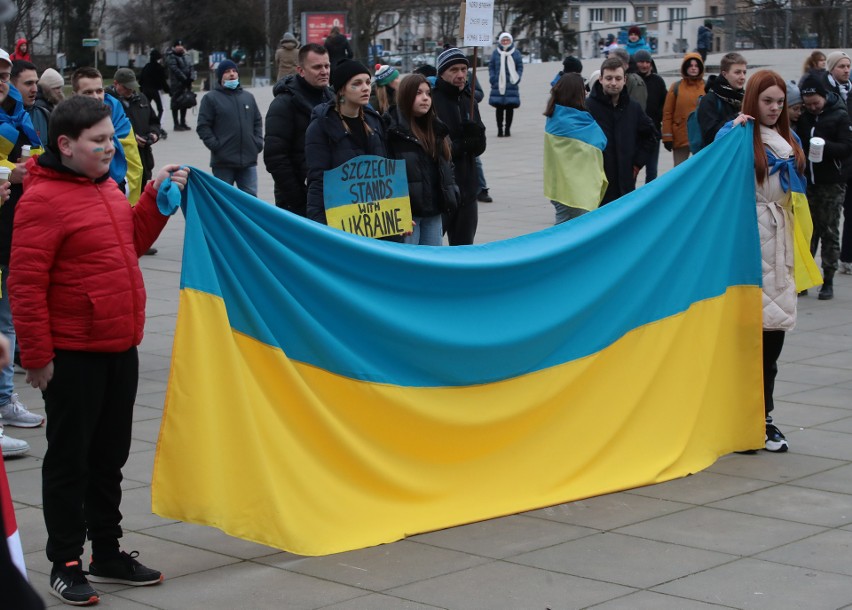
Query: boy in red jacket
column 79, row 304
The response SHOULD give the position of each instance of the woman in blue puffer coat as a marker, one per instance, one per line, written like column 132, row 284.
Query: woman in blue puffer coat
column 505, row 70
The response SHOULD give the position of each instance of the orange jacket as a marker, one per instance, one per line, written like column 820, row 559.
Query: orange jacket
column 680, row 104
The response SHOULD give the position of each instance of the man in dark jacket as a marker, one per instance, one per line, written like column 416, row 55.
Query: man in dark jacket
column 705, row 40
column 452, row 100
column 724, row 97
column 656, row 88
column 826, row 118
column 142, row 116
column 836, row 77
column 180, row 72
column 25, row 79
column 287, row 121
column 230, row 125
column 630, row 134
column 337, row 46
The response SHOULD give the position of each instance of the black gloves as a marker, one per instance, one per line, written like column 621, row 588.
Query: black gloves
column 473, row 137
column 668, row 145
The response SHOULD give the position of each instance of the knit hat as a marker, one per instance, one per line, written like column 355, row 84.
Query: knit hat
column 126, row 77
column 833, row 58
column 505, row 35
column 634, row 29
column 811, row 85
column 641, row 55
column 426, row 70
column 385, row 75
column 572, row 65
column 4, row 56
column 178, row 43
column 595, row 77
column 224, row 66
column 794, row 96
column 343, row 72
column 708, row 24
column 451, row 57
column 50, row 78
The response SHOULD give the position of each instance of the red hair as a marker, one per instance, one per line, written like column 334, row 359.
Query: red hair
column 757, row 84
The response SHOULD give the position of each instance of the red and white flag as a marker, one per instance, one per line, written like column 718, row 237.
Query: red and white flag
column 13, row 538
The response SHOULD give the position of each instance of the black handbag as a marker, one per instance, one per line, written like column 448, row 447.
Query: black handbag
column 187, row 99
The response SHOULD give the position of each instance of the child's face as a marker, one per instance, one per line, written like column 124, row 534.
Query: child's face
column 91, row 153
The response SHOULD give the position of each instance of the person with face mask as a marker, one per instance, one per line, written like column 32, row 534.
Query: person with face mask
column 505, row 70
column 230, row 125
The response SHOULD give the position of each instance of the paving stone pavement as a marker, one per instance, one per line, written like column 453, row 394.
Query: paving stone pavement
column 751, row 531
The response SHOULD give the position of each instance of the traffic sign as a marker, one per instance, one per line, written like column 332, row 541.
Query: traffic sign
column 91, row 42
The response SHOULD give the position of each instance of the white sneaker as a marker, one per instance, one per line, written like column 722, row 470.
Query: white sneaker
column 16, row 414
column 845, row 268
column 12, row 446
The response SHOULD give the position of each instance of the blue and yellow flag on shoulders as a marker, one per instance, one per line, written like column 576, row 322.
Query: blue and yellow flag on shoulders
column 573, row 159
column 330, row 392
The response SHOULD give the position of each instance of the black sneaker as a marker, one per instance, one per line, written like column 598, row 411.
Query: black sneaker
column 484, row 197
column 68, row 583
column 124, row 570
column 775, row 440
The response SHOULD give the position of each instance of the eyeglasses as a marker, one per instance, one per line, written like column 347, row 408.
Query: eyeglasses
column 5, row 77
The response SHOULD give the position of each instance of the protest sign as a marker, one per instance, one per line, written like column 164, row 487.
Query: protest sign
column 478, row 23
column 368, row 196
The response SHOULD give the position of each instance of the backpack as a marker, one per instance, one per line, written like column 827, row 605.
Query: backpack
column 693, row 128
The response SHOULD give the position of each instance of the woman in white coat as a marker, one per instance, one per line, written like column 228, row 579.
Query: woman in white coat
column 779, row 165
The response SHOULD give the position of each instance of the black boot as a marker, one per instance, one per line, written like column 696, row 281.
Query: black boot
column 826, row 293
column 499, row 131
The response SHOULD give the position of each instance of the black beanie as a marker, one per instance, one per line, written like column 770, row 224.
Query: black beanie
column 344, row 70
column 572, row 65
column 811, row 85
column 426, row 70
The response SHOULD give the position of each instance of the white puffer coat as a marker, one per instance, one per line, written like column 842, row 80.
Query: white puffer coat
column 775, row 224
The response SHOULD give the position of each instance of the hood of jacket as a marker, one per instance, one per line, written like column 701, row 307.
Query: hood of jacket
column 685, row 61
column 20, row 42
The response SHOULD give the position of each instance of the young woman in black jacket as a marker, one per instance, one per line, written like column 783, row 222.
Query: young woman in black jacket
column 340, row 130
column 418, row 137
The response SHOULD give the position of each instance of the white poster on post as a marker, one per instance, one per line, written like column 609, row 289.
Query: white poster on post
column 478, row 23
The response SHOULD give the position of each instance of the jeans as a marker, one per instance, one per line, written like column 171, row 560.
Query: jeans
column 244, row 177
column 566, row 212
column 481, row 175
column 428, row 231
column 7, row 374
column 653, row 163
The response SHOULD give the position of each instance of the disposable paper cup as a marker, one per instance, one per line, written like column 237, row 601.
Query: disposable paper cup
column 817, row 147
column 5, row 172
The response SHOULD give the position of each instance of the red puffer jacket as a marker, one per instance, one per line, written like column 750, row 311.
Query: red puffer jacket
column 74, row 279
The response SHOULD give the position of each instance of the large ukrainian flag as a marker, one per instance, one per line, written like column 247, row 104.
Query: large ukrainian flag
column 330, row 392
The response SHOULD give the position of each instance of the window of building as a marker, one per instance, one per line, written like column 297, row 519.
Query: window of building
column 596, row 15
column 640, row 13
column 676, row 15
column 617, row 15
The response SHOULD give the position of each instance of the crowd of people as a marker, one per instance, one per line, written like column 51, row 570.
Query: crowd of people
column 78, row 337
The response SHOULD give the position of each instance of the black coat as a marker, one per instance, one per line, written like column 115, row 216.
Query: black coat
column 179, row 68
column 453, row 108
column 714, row 111
column 287, row 122
column 230, row 125
column 630, row 139
column 338, row 48
column 656, row 87
column 329, row 145
column 427, row 178
column 833, row 126
column 153, row 78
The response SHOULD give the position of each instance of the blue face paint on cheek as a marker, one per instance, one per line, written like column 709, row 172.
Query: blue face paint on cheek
column 98, row 150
